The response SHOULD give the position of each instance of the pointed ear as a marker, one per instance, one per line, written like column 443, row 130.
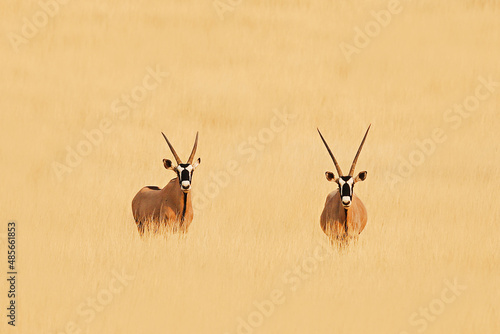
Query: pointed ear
column 168, row 164
column 196, row 163
column 330, row 176
column 361, row 176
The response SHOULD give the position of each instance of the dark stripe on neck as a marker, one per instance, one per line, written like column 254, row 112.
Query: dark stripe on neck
column 345, row 222
column 184, row 208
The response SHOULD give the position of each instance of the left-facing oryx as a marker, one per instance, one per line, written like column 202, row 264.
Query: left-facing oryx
column 171, row 206
column 344, row 215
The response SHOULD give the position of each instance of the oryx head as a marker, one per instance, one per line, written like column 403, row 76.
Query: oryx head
column 184, row 170
column 346, row 183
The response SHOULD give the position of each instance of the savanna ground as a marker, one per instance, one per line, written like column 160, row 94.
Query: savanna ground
column 433, row 216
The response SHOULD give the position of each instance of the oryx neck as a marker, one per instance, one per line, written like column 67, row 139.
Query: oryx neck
column 346, row 211
column 184, row 206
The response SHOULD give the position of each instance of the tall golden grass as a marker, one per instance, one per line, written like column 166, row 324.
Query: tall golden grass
column 257, row 233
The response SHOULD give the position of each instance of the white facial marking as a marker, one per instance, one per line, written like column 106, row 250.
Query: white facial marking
column 185, row 184
column 189, row 168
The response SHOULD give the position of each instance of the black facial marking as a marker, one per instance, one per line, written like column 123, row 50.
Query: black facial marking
column 185, row 175
column 346, row 190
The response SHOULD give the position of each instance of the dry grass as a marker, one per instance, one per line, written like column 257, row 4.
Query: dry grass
column 225, row 79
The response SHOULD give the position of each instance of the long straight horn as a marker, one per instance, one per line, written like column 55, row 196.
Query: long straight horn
column 193, row 152
column 353, row 166
column 172, row 149
column 331, row 154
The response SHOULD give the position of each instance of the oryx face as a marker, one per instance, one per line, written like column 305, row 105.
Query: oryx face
column 185, row 175
column 184, row 171
column 346, row 186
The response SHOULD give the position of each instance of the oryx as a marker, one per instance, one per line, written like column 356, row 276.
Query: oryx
column 344, row 215
column 171, row 206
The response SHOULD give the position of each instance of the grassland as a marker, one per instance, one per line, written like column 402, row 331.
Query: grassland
column 433, row 217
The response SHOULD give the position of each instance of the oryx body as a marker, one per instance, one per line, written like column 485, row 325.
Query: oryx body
column 170, row 207
column 344, row 215
column 336, row 221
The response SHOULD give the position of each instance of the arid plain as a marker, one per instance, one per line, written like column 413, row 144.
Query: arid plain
column 88, row 87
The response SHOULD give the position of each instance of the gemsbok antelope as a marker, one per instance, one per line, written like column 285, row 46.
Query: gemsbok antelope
column 170, row 207
column 344, row 215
